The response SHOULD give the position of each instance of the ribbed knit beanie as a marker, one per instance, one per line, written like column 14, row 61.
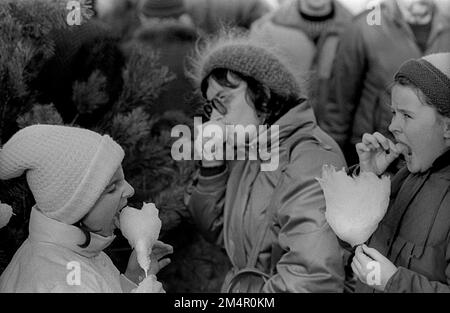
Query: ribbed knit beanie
column 67, row 168
column 431, row 74
column 162, row 8
column 251, row 56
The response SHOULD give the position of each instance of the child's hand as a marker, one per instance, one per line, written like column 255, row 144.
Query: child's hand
column 158, row 261
column 372, row 268
column 157, row 257
column 376, row 152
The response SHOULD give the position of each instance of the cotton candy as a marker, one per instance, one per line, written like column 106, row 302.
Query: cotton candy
column 5, row 214
column 141, row 228
column 354, row 205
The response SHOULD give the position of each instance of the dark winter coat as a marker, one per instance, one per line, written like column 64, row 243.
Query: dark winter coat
column 367, row 58
column 415, row 232
column 210, row 15
column 300, row 252
column 173, row 41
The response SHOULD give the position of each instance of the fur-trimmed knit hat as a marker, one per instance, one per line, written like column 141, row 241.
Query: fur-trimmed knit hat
column 250, row 56
column 67, row 168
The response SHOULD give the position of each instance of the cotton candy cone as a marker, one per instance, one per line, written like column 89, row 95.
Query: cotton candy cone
column 149, row 285
column 5, row 214
column 354, row 205
column 141, row 228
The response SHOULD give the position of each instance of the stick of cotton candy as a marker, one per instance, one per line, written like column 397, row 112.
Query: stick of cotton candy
column 141, row 228
column 5, row 214
column 354, row 205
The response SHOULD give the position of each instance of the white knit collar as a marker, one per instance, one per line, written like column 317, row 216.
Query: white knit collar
column 47, row 230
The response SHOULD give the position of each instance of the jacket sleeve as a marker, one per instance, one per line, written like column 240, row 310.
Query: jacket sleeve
column 312, row 260
column 205, row 201
column 345, row 85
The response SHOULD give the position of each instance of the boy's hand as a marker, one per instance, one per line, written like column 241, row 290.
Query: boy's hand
column 135, row 273
column 372, row 268
column 376, row 152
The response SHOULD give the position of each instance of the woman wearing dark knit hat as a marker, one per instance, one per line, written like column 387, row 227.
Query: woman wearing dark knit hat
column 271, row 222
column 412, row 243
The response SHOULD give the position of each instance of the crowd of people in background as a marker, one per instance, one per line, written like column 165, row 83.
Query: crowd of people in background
column 344, row 89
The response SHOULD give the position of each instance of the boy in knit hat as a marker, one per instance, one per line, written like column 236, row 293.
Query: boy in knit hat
column 411, row 246
column 77, row 180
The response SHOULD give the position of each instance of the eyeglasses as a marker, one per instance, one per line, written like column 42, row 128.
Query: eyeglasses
column 214, row 104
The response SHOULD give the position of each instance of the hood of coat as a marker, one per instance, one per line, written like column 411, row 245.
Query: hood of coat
column 288, row 15
column 299, row 118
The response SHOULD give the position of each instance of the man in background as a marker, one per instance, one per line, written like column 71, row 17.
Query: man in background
column 307, row 32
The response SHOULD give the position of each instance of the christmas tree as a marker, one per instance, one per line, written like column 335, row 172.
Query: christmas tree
column 90, row 94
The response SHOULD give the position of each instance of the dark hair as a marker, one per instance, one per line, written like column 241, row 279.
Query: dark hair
column 86, row 232
column 405, row 82
column 266, row 102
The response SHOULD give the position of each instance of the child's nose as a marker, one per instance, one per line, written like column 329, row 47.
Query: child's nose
column 394, row 126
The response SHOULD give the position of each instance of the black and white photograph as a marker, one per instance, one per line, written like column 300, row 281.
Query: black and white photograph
column 221, row 153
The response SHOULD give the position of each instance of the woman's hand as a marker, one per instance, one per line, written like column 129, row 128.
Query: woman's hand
column 372, row 268
column 208, row 138
column 157, row 262
column 376, row 152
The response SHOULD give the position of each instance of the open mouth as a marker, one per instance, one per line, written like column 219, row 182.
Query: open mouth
column 404, row 149
column 117, row 216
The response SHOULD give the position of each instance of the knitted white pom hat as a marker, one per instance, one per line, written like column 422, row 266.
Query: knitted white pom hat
column 67, row 168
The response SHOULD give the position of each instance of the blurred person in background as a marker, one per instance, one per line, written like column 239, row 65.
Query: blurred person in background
column 167, row 29
column 211, row 15
column 366, row 60
column 307, row 31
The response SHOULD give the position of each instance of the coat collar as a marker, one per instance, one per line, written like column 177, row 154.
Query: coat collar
column 289, row 16
column 167, row 31
column 441, row 162
column 299, row 117
column 47, row 230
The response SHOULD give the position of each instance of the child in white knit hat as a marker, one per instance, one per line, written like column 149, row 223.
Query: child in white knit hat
column 77, row 180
